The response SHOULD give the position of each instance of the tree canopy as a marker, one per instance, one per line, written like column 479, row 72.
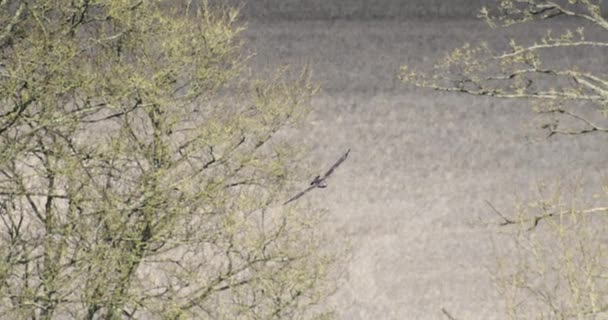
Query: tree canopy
column 558, row 267
column 141, row 172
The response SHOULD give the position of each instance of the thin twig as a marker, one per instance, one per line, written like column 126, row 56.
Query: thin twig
column 506, row 220
column 591, row 126
column 536, row 219
column 447, row 314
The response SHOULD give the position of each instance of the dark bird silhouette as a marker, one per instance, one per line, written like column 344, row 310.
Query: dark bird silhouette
column 319, row 181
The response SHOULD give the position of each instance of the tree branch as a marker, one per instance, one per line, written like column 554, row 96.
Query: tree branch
column 537, row 219
column 591, row 127
column 537, row 47
column 447, row 314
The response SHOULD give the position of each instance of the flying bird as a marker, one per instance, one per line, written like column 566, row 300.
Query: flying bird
column 319, row 181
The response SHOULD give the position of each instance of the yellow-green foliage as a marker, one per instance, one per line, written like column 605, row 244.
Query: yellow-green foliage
column 527, row 69
column 141, row 173
column 557, row 269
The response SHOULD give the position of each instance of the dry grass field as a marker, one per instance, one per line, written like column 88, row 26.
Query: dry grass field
column 411, row 199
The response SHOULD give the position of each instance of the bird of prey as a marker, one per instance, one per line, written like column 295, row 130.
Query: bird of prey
column 319, row 181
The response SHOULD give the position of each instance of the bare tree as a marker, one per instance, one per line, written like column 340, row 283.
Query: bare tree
column 141, row 175
column 558, row 270
column 527, row 69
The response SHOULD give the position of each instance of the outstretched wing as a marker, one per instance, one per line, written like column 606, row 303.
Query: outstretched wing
column 337, row 164
column 297, row 196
